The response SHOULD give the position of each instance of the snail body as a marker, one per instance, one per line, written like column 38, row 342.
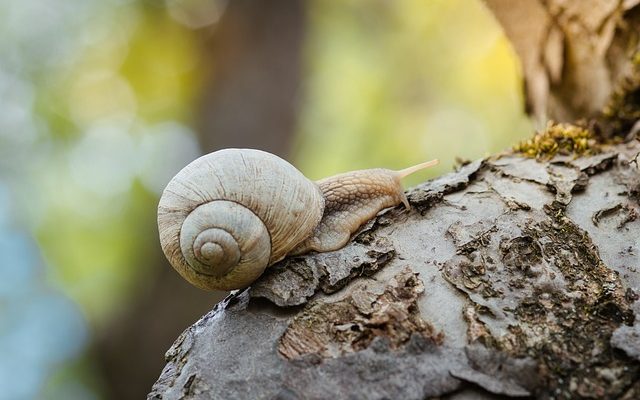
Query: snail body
column 228, row 215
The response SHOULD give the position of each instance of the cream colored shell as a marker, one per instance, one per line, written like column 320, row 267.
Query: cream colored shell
column 230, row 214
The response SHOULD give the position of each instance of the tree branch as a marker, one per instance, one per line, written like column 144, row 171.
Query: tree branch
column 511, row 277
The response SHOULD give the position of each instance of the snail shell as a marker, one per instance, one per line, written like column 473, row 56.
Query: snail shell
column 229, row 214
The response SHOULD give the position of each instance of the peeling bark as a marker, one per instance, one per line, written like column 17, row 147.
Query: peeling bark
column 370, row 311
column 573, row 52
column 508, row 278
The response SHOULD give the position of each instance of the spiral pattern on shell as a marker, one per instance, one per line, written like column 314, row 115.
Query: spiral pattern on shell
column 230, row 214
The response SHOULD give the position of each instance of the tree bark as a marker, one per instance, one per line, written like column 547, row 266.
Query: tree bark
column 572, row 52
column 511, row 277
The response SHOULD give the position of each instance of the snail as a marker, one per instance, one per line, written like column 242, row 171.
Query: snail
column 228, row 215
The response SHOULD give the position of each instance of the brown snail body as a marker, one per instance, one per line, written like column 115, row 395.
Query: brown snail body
column 227, row 216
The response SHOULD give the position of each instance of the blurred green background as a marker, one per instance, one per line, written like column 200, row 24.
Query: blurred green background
column 104, row 100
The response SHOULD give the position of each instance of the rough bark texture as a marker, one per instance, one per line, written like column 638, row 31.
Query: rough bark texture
column 510, row 277
column 573, row 52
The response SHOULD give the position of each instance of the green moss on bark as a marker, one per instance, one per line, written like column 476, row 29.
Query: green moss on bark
column 564, row 139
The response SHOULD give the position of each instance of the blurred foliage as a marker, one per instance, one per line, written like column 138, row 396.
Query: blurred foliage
column 98, row 100
column 126, row 92
column 396, row 83
column 160, row 66
column 98, row 94
column 39, row 328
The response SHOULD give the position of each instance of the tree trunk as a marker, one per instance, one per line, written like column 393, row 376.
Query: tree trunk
column 573, row 52
column 252, row 94
column 511, row 277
